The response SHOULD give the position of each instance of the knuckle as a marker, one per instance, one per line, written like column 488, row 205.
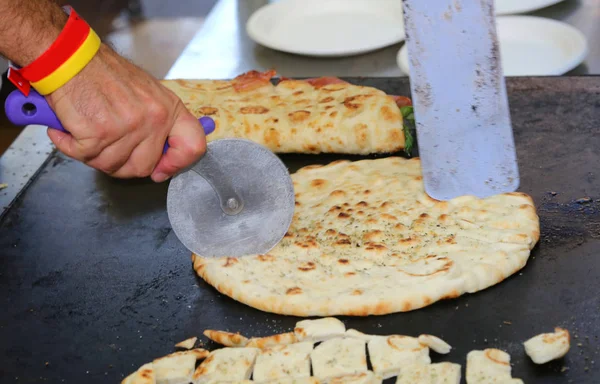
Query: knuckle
column 102, row 133
column 142, row 170
column 195, row 148
column 108, row 169
column 133, row 120
column 104, row 166
column 158, row 112
column 101, row 127
column 90, row 149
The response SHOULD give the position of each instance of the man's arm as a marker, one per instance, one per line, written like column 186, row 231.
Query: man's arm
column 28, row 28
column 118, row 116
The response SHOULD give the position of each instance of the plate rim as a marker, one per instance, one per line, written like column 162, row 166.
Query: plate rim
column 526, row 9
column 569, row 65
column 260, row 39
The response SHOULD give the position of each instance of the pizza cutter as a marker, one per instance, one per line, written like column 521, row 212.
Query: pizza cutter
column 238, row 199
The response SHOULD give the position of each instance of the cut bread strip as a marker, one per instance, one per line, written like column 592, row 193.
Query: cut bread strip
column 227, row 339
column 227, row 364
column 283, row 361
column 271, row 341
column 338, row 357
column 435, row 343
column 440, row 373
column 489, row 366
column 389, row 354
column 548, row 346
column 178, row 367
column 319, row 330
column 187, row 343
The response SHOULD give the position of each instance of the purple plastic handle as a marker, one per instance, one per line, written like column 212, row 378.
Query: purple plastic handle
column 24, row 110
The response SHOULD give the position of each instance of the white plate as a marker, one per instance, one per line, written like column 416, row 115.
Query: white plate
column 509, row 7
column 532, row 46
column 327, row 27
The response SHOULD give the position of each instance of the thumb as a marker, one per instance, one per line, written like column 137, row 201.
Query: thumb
column 63, row 141
column 187, row 144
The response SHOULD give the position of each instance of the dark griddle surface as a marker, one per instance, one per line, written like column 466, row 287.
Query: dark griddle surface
column 94, row 282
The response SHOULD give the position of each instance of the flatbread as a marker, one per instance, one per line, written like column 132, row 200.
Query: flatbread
column 296, row 380
column 296, row 116
column 227, row 339
column 283, row 361
column 439, row 373
column 358, row 378
column 178, row 367
column 227, row 364
column 435, row 343
column 489, row 366
column 187, row 343
column 230, row 382
column 353, row 333
column 144, row 375
column 273, row 340
column 367, row 240
column 390, row 354
column 319, row 330
column 339, row 357
column 548, row 346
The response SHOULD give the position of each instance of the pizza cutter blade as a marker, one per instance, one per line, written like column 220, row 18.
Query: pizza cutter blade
column 238, row 199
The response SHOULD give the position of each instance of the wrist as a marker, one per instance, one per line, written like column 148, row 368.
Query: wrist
column 35, row 36
column 72, row 50
column 57, row 21
column 101, row 60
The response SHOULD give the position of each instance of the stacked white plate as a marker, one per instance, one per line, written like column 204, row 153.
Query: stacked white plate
column 530, row 46
column 511, row 7
column 327, row 27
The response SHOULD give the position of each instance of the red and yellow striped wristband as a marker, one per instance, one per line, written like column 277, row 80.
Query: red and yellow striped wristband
column 74, row 48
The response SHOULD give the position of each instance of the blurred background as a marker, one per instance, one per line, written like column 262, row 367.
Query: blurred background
column 209, row 39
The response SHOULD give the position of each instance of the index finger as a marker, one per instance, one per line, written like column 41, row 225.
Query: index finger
column 186, row 144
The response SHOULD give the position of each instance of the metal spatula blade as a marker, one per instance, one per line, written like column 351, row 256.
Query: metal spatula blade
column 464, row 131
column 237, row 200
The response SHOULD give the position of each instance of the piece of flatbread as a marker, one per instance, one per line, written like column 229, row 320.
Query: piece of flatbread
column 489, row 366
column 227, row 364
column 367, row 240
column 281, row 361
column 338, row 357
column 187, row 343
column 439, row 373
column 273, row 340
column 178, row 367
column 548, row 346
column 227, row 339
column 319, row 330
column 296, row 116
column 435, row 343
column 389, row 354
column 144, row 375
column 353, row 333
column 295, row 380
column 367, row 377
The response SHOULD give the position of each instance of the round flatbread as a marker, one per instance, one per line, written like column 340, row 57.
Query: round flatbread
column 367, row 240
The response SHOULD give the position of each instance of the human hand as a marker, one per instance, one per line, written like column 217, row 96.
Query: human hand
column 119, row 118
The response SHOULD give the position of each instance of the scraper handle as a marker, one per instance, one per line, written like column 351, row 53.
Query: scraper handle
column 34, row 109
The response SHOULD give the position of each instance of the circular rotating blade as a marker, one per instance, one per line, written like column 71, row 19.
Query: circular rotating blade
column 260, row 180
